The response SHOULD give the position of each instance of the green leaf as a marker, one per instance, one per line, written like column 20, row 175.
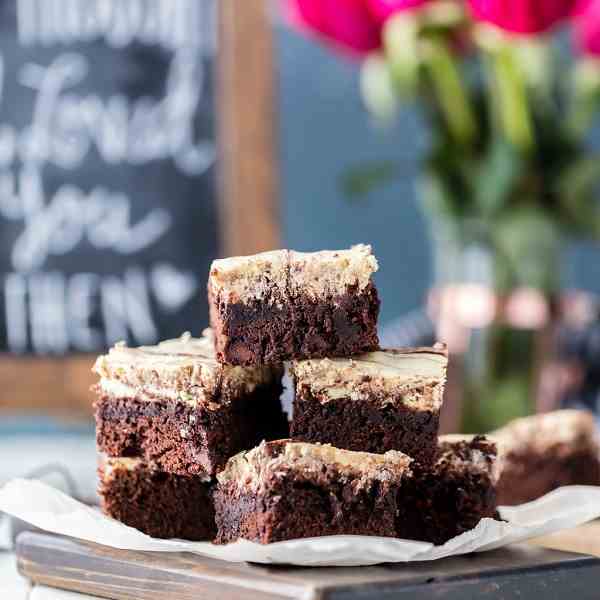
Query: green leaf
column 359, row 180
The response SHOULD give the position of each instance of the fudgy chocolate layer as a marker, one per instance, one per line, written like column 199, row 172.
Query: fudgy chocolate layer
column 526, row 477
column 276, row 329
column 366, row 426
column 159, row 504
column 444, row 500
column 185, row 439
column 292, row 507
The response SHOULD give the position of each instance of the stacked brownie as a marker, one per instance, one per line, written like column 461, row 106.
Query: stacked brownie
column 364, row 457
column 285, row 305
column 374, row 402
column 289, row 489
column 194, row 440
column 286, row 490
column 167, row 419
column 163, row 505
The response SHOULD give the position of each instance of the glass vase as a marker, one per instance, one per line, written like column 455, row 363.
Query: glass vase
column 497, row 311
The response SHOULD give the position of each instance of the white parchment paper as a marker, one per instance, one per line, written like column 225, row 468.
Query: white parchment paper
column 52, row 510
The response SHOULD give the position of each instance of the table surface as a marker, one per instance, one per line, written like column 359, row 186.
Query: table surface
column 583, row 539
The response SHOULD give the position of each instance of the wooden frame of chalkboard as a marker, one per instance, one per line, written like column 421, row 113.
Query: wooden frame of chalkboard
column 248, row 216
column 247, row 122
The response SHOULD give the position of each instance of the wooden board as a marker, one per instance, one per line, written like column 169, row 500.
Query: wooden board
column 518, row 572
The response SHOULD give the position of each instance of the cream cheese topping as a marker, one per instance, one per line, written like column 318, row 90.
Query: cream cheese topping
column 110, row 466
column 416, row 377
column 183, row 368
column 545, row 430
column 241, row 276
column 247, row 469
column 324, row 273
column 149, row 393
column 331, row 272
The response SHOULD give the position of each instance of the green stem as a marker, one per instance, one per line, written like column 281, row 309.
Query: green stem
column 450, row 91
column 512, row 101
column 400, row 43
column 377, row 88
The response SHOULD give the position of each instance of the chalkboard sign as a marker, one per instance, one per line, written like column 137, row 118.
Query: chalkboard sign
column 108, row 216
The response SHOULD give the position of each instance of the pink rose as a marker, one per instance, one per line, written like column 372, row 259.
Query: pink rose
column 581, row 6
column 347, row 23
column 522, row 16
column 587, row 27
column 382, row 9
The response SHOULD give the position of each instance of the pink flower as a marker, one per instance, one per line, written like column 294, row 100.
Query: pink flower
column 587, row 27
column 522, row 16
column 581, row 6
column 347, row 23
column 382, row 9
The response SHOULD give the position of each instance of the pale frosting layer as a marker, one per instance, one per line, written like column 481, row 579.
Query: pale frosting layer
column 239, row 277
column 249, row 469
column 542, row 431
column 149, row 393
column 412, row 376
column 289, row 273
column 331, row 272
column 184, row 368
column 110, row 466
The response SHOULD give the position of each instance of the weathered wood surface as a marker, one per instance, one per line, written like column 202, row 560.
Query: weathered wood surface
column 518, row 572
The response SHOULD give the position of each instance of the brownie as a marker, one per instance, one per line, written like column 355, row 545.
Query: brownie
column 160, row 504
column 284, row 305
column 286, row 490
column 543, row 452
column 175, row 405
column 375, row 402
column 443, row 500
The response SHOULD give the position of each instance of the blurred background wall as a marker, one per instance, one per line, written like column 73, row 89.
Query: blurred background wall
column 324, row 131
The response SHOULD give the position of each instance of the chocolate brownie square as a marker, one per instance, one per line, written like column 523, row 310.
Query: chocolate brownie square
column 285, row 305
column 443, row 500
column 159, row 504
column 285, row 490
column 543, row 452
column 175, row 405
column 375, row 402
